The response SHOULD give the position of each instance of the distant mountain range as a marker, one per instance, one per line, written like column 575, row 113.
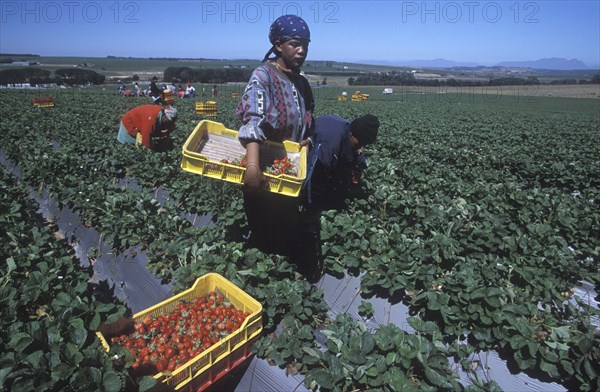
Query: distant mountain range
column 553, row 63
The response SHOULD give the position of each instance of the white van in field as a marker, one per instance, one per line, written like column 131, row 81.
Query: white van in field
column 388, row 90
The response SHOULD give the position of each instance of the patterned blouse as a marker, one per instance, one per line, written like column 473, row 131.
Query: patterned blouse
column 273, row 108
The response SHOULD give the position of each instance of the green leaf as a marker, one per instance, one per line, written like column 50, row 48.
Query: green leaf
column 11, row 265
column 78, row 332
column 390, row 358
column 25, row 383
column 585, row 344
column 36, row 284
column 62, row 371
column 146, row 384
column 35, row 359
column 397, row 380
column 567, row 365
column 436, row 378
column 286, row 353
column 94, row 322
column 73, row 355
column 524, row 363
column 589, row 369
column 517, row 341
column 5, row 371
column 557, row 345
column 360, row 373
column 561, row 332
column 367, row 343
column 112, row 382
column 334, row 345
column 549, row 368
column 533, row 348
column 311, row 351
column 384, row 338
column 351, row 261
column 372, row 371
column 20, row 341
column 549, row 355
column 62, row 300
column 365, row 309
column 478, row 293
column 337, row 370
column 323, row 378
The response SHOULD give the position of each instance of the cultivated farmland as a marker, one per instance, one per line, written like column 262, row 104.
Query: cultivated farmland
column 480, row 213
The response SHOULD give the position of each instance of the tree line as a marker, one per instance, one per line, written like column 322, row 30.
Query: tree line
column 206, row 75
column 78, row 76
column 409, row 79
column 61, row 76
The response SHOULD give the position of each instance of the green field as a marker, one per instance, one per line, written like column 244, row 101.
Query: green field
column 479, row 212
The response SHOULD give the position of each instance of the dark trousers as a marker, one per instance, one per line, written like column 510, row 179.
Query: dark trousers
column 272, row 220
column 278, row 225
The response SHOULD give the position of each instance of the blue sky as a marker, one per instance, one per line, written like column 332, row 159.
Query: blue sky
column 483, row 32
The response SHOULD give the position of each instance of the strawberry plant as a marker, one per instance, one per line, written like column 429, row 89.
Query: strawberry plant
column 482, row 218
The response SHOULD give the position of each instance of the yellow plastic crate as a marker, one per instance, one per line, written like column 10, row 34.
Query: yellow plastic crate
column 210, row 143
column 208, row 108
column 216, row 361
column 168, row 97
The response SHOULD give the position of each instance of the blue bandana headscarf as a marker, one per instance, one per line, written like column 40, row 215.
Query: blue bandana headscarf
column 285, row 28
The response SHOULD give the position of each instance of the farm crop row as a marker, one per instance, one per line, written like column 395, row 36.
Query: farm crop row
column 49, row 311
column 481, row 218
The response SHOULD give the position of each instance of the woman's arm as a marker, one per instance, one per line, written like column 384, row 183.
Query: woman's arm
column 254, row 178
column 254, row 106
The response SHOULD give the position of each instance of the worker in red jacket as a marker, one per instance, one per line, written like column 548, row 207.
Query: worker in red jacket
column 148, row 125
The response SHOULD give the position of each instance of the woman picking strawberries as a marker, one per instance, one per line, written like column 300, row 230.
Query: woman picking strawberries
column 277, row 105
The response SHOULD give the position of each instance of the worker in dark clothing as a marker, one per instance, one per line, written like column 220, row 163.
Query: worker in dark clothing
column 335, row 165
column 336, row 160
column 155, row 92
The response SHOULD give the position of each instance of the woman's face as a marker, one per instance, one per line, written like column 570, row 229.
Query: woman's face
column 355, row 143
column 293, row 52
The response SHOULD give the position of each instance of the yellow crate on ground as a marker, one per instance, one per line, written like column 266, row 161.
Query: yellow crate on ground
column 214, row 151
column 47, row 102
column 203, row 370
column 358, row 96
column 208, row 108
column 168, row 97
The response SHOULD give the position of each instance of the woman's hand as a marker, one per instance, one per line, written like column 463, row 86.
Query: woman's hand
column 254, row 179
column 306, row 143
